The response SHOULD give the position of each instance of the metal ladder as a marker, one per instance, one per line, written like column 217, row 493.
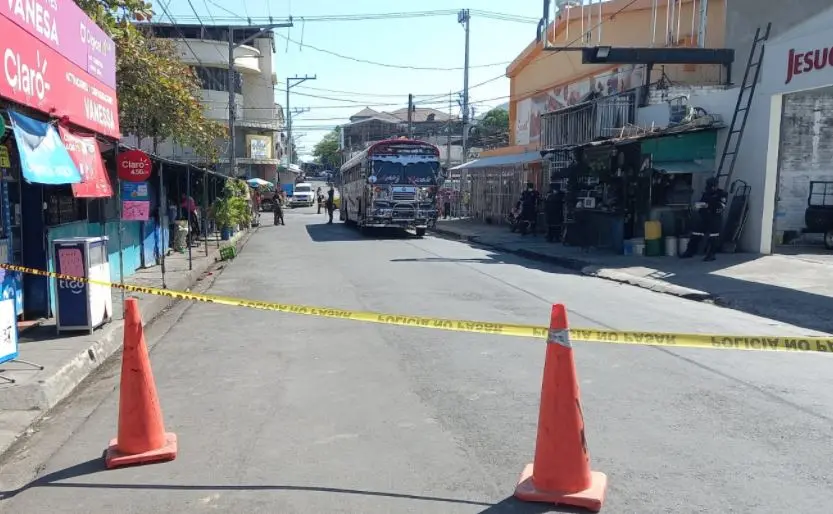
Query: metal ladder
column 727, row 169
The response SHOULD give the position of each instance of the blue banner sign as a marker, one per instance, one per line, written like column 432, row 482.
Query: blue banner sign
column 43, row 157
column 135, row 192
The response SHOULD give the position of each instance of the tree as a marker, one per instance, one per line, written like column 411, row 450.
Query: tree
column 326, row 151
column 158, row 94
column 493, row 129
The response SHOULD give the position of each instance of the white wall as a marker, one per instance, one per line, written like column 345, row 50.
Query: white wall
column 215, row 54
column 258, row 89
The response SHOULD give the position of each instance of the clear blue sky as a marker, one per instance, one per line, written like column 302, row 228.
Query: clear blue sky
column 423, row 42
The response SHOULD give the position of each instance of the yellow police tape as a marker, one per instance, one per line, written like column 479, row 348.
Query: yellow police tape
column 799, row 344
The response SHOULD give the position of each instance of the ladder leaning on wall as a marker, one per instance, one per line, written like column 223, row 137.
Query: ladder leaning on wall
column 744, row 102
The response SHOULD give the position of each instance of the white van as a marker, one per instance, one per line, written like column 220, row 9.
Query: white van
column 303, row 195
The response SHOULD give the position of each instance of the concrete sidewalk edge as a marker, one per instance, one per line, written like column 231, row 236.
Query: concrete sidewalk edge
column 586, row 268
column 37, row 399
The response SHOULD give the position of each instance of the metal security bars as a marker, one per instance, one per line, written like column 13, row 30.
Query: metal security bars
column 595, row 119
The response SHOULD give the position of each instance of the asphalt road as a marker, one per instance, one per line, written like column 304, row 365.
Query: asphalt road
column 286, row 414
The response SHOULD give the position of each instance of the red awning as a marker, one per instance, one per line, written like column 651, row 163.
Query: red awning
column 86, row 155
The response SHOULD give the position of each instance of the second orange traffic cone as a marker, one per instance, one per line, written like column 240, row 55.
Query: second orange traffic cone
column 141, row 437
column 560, row 473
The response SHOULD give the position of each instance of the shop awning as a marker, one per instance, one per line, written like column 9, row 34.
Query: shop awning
column 500, row 160
column 680, row 167
column 43, row 157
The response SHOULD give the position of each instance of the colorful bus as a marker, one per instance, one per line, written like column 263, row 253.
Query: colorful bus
column 392, row 183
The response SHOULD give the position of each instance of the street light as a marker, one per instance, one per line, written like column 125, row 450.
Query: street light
column 232, row 160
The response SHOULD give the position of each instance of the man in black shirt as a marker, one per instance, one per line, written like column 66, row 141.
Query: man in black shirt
column 331, row 204
column 529, row 208
column 709, row 221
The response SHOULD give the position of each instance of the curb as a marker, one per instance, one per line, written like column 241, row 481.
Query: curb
column 40, row 397
column 585, row 268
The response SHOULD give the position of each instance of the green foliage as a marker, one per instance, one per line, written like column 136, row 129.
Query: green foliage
column 326, row 151
column 158, row 94
column 233, row 208
column 493, row 129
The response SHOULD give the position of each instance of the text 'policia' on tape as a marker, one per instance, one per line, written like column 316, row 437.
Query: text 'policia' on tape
column 810, row 344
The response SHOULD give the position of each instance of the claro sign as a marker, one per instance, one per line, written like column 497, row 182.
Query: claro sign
column 36, row 75
column 134, row 166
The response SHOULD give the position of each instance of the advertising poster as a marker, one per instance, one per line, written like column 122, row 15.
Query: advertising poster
column 135, row 211
column 8, row 330
column 85, row 154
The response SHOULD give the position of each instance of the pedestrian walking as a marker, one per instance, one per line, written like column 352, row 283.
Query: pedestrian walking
column 529, row 208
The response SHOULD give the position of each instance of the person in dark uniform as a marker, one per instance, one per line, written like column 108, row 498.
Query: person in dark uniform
column 529, row 208
column 709, row 221
column 554, row 209
column 331, row 204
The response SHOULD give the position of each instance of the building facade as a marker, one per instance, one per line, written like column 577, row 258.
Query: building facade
column 546, row 81
column 259, row 120
column 786, row 155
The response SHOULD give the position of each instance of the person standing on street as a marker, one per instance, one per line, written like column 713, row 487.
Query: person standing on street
column 555, row 213
column 278, row 206
column 709, row 221
column 529, row 208
column 319, row 197
column 331, row 204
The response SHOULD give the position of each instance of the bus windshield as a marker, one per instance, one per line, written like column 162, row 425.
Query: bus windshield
column 420, row 173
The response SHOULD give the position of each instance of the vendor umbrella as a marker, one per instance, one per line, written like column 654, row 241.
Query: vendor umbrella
column 258, row 182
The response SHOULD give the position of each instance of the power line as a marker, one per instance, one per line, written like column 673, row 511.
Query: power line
column 386, row 65
column 357, row 93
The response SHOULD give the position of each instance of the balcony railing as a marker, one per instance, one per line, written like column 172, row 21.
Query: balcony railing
column 589, row 121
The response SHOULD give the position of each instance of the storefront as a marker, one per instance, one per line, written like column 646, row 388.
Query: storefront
column 59, row 101
column 788, row 142
column 614, row 187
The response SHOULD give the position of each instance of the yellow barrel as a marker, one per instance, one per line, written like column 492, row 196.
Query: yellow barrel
column 653, row 230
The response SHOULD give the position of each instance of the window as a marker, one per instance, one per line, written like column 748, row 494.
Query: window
column 216, row 79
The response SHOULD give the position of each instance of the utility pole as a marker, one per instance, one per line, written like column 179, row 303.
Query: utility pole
column 290, row 82
column 410, row 116
column 463, row 18
column 232, row 111
column 448, row 127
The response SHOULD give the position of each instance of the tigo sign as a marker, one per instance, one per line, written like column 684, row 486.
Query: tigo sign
column 134, row 166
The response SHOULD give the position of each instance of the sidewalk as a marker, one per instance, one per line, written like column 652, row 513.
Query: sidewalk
column 69, row 359
column 795, row 289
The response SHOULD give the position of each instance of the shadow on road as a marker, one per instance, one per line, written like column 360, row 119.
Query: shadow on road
column 339, row 232
column 91, row 467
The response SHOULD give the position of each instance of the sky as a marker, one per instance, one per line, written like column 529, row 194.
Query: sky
column 427, row 42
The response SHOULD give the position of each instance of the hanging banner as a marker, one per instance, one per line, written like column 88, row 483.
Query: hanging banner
column 43, row 157
column 134, row 166
column 87, row 157
column 37, row 76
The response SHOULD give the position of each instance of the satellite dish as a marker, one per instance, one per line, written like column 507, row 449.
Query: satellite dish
column 372, row 179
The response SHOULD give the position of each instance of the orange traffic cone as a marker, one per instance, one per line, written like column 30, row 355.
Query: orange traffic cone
column 141, row 438
column 561, row 473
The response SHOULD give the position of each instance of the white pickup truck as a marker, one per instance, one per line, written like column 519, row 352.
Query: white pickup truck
column 303, row 195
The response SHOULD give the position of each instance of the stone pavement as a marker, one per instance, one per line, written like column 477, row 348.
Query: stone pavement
column 68, row 359
column 795, row 288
